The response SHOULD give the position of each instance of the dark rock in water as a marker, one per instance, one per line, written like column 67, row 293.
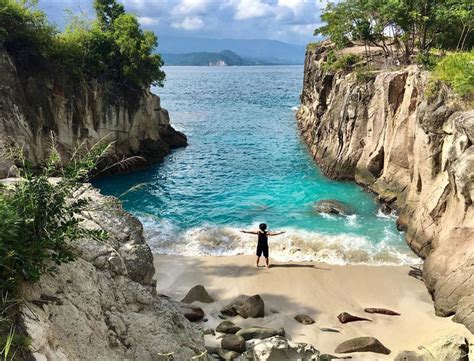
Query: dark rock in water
column 227, row 327
column 233, row 343
column 260, row 333
column 331, row 206
column 197, row 293
column 222, row 354
column 382, row 311
column 327, row 329
column 304, row 319
column 347, row 317
column 362, row 344
column 246, row 307
column 386, row 209
column 192, row 313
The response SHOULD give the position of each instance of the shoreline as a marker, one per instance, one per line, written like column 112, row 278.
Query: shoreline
column 320, row 290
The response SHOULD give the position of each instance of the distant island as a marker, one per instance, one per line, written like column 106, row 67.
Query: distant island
column 257, row 50
column 222, row 58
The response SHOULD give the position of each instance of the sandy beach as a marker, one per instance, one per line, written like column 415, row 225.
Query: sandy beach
column 322, row 291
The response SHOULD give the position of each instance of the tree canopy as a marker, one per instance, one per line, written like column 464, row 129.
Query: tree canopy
column 400, row 26
column 111, row 47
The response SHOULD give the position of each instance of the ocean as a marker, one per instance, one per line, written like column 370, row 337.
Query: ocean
column 246, row 164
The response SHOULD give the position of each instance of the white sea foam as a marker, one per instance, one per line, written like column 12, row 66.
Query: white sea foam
column 295, row 109
column 381, row 214
column 294, row 245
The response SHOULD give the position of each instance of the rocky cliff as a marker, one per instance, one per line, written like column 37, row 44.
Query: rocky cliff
column 416, row 151
column 37, row 99
column 104, row 305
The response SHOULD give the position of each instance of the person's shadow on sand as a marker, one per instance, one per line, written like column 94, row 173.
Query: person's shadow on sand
column 297, row 266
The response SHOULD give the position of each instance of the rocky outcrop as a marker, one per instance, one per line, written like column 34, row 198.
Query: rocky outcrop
column 37, row 100
column 454, row 348
column 279, row 349
column 416, row 151
column 104, row 305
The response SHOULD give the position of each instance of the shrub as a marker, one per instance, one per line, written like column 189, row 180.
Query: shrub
column 428, row 61
column 340, row 63
column 364, row 74
column 457, row 71
column 39, row 223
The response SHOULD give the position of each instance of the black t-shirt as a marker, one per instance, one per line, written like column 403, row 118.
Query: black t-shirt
column 262, row 239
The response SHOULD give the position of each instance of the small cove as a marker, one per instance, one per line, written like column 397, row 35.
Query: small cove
column 246, row 164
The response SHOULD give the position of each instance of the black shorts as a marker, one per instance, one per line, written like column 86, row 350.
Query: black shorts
column 262, row 249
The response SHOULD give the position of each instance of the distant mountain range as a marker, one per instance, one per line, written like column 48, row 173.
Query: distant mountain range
column 256, row 51
column 222, row 58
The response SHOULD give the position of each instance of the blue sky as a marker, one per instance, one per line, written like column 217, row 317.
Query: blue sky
column 291, row 21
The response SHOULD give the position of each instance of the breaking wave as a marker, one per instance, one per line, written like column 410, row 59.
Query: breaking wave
column 294, row 245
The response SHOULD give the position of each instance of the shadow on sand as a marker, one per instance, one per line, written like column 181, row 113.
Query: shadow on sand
column 292, row 265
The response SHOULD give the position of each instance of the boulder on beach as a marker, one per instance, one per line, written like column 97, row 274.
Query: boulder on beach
column 222, row 354
column 233, row 343
column 192, row 313
column 249, row 333
column 197, row 293
column 227, row 327
column 362, row 344
column 328, row 357
column 328, row 329
column 382, row 311
column 331, row 206
column 455, row 348
column 345, row 317
column 209, row 331
column 304, row 319
column 278, row 348
column 245, row 306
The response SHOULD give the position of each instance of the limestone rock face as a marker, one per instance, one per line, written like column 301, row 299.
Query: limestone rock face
column 37, row 101
column 416, row 152
column 104, row 305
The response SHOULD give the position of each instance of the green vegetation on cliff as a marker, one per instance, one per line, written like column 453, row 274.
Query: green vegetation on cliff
column 39, row 223
column 112, row 47
column 400, row 26
column 457, row 71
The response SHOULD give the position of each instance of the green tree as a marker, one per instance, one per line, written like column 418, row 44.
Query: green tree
column 400, row 25
column 113, row 47
column 135, row 49
column 107, row 11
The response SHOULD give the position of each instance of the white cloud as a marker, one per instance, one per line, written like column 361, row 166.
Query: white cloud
column 248, row 9
column 189, row 23
column 186, row 7
column 148, row 21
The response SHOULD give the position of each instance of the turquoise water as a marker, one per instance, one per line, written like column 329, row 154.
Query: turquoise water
column 246, row 164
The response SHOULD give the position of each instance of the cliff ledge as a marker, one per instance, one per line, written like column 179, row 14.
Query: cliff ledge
column 37, row 99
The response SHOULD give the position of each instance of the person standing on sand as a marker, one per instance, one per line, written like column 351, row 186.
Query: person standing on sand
column 262, row 245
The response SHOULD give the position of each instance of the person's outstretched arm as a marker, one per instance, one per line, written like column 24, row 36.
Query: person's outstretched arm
column 249, row 232
column 275, row 233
